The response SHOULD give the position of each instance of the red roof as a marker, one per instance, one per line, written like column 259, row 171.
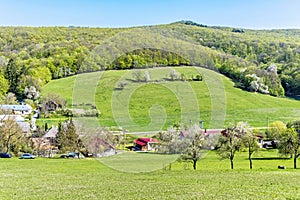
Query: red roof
column 144, row 141
column 147, row 140
column 140, row 143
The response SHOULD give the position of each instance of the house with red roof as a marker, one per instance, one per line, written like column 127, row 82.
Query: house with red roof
column 145, row 144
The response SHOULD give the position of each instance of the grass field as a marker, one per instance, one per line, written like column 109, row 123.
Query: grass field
column 45, row 178
column 156, row 105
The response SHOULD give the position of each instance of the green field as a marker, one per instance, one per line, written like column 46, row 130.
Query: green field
column 45, row 178
column 158, row 104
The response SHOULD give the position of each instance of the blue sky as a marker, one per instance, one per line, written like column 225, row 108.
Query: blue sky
column 260, row 14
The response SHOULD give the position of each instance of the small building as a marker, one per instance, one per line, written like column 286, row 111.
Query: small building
column 51, row 135
column 17, row 109
column 145, row 144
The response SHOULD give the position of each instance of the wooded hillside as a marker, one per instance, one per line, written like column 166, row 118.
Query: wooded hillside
column 265, row 61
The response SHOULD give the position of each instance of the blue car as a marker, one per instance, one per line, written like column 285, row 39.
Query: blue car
column 27, row 156
column 5, row 155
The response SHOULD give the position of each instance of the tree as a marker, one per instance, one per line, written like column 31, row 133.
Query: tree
column 11, row 98
column 185, row 141
column 194, row 151
column 52, row 102
column 250, row 142
column 72, row 137
column 137, row 75
column 229, row 143
column 290, row 141
column 31, row 93
column 10, row 134
column 98, row 141
column 4, row 85
column 60, row 139
column 147, row 76
column 13, row 74
column 68, row 139
column 39, row 139
column 276, row 129
column 174, row 75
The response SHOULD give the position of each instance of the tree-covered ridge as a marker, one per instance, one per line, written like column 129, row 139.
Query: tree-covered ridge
column 265, row 61
column 260, row 47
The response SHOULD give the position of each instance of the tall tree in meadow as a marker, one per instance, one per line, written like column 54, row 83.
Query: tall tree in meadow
column 229, row 143
column 194, row 151
column 249, row 139
column 290, row 141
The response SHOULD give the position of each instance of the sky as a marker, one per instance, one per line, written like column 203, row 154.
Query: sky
column 255, row 14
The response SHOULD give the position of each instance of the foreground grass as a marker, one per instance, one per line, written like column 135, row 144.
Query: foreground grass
column 91, row 179
column 151, row 106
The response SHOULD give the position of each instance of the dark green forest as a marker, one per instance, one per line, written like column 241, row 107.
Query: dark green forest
column 265, row 61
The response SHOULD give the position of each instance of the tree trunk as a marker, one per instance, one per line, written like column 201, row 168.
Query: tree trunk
column 250, row 159
column 195, row 164
column 295, row 162
column 231, row 162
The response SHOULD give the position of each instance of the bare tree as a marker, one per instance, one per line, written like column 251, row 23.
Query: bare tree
column 98, row 141
column 137, row 75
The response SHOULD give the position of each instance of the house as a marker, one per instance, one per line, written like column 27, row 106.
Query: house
column 17, row 109
column 145, row 144
column 51, row 135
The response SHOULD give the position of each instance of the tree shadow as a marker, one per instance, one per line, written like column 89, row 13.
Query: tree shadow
column 271, row 158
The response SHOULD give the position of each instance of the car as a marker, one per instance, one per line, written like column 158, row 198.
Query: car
column 5, row 155
column 72, row 155
column 27, row 156
column 64, row 156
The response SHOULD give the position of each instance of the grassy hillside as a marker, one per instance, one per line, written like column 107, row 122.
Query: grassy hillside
column 45, row 178
column 141, row 106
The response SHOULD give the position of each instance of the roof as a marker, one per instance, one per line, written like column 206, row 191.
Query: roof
column 16, row 118
column 144, row 141
column 16, row 107
column 51, row 133
column 24, row 126
column 140, row 143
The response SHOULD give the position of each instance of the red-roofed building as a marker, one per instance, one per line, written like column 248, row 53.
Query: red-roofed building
column 145, row 144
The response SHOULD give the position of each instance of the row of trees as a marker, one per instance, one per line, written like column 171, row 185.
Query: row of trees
column 192, row 143
column 241, row 135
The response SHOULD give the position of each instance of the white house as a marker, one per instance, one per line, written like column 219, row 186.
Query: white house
column 18, row 109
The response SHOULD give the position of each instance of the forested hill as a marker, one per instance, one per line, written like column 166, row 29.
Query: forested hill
column 266, row 61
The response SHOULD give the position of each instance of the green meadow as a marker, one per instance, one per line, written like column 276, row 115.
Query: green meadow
column 155, row 105
column 89, row 178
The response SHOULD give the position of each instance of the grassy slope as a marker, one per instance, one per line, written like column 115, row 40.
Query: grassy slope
column 44, row 178
column 174, row 97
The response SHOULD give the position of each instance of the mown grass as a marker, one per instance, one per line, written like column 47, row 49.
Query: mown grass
column 158, row 104
column 45, row 178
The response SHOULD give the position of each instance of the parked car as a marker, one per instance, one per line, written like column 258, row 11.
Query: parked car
column 27, row 156
column 64, row 156
column 5, row 155
column 72, row 155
